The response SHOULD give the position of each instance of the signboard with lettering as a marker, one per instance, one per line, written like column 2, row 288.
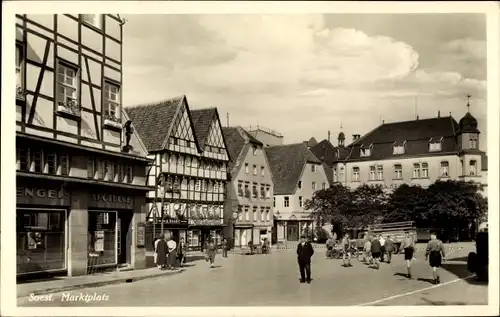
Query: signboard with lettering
column 141, row 235
column 206, row 222
column 42, row 196
column 100, row 200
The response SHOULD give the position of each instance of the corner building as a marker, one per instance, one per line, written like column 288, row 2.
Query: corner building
column 80, row 169
column 189, row 172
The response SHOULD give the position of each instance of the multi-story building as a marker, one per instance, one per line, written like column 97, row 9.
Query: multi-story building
column 332, row 157
column 189, row 171
column 296, row 174
column 250, row 191
column 81, row 186
column 267, row 136
column 417, row 152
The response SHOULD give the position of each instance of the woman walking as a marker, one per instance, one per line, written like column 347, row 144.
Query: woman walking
column 211, row 251
column 172, row 253
column 161, row 253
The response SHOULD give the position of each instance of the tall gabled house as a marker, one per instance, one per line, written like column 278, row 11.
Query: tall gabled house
column 297, row 173
column 80, row 172
column 189, row 171
column 250, row 189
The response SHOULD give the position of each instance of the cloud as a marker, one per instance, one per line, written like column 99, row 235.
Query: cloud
column 296, row 74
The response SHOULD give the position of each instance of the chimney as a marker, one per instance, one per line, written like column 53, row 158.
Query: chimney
column 329, row 135
column 439, row 114
column 417, row 117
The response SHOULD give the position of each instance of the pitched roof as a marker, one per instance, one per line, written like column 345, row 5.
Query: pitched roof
column 326, row 152
column 312, row 142
column 153, row 121
column 329, row 173
column 416, row 133
column 202, row 121
column 234, row 143
column 286, row 163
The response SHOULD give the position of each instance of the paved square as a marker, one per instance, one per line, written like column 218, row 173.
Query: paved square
column 262, row 280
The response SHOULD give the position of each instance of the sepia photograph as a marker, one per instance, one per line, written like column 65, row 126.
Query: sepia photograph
column 243, row 159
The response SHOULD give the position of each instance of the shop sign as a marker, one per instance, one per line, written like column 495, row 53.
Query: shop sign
column 42, row 196
column 141, row 235
column 206, row 222
column 100, row 200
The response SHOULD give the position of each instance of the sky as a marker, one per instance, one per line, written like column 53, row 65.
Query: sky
column 305, row 75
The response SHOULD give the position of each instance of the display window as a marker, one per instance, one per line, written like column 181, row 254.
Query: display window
column 41, row 240
column 102, row 238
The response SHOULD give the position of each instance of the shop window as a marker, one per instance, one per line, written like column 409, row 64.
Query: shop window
column 37, row 162
column 91, row 168
column 129, row 173
column 40, row 240
column 24, row 159
column 102, row 238
column 51, row 163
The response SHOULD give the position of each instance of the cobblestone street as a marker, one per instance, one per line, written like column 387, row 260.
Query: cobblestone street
column 272, row 280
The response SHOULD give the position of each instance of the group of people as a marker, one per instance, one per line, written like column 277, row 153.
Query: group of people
column 168, row 253
column 376, row 248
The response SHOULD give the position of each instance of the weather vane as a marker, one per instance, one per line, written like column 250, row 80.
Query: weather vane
column 468, row 102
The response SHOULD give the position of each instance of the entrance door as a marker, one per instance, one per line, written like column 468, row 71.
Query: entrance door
column 293, row 231
column 124, row 237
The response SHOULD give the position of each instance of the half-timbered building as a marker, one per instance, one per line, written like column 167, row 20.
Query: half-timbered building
column 81, row 182
column 189, row 171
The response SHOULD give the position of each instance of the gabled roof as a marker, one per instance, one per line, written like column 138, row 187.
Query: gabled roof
column 286, row 163
column 329, row 173
column 154, row 121
column 326, row 152
column 202, row 121
column 416, row 133
column 312, row 142
column 235, row 143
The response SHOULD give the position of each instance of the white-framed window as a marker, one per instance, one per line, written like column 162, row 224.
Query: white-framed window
column 51, row 161
column 313, row 185
column 416, row 170
column 67, row 81
column 364, row 152
column 254, row 150
column 286, row 202
column 299, row 185
column 398, row 171
column 300, row 201
column 434, row 146
column 473, row 142
column 246, row 168
column 313, row 168
column 398, row 150
column 37, row 161
column 93, row 19
column 247, row 190
column 23, row 156
column 445, row 169
column 254, row 217
column 240, row 213
column 262, row 173
column 19, row 66
column 255, row 169
column 268, row 214
column 380, row 172
column 341, row 174
column 197, row 185
column 247, row 213
column 240, row 188
column 425, row 170
column 112, row 101
column 268, row 192
column 262, row 214
column 472, row 167
column 63, row 161
column 335, row 177
column 355, row 174
column 372, row 173
column 255, row 194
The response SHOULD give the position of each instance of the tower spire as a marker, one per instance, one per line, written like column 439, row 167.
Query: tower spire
column 468, row 102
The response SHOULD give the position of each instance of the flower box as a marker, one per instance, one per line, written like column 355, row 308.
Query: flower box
column 69, row 108
column 112, row 122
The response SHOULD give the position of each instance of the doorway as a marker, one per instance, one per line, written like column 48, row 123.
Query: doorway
column 124, row 237
column 293, row 231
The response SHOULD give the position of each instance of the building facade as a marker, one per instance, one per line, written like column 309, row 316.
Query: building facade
column 80, row 182
column 296, row 174
column 189, row 172
column 267, row 136
column 250, row 190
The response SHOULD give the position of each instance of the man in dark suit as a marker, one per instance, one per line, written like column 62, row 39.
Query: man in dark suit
column 304, row 253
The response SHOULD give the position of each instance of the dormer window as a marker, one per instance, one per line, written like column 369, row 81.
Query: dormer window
column 435, row 145
column 365, row 152
column 399, row 149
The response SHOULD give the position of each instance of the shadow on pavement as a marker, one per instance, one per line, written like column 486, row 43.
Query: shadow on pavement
column 428, row 280
column 460, row 271
column 401, row 275
column 440, row 303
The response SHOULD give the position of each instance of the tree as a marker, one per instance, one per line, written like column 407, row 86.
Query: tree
column 405, row 203
column 369, row 205
column 330, row 205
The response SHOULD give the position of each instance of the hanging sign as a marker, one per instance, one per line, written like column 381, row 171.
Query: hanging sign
column 141, row 235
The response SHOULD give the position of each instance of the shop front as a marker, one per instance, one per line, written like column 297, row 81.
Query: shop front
column 205, row 222
column 242, row 234
column 41, row 227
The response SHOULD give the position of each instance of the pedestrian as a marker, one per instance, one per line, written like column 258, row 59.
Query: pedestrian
column 382, row 247
column 172, row 253
column 334, row 238
column 181, row 252
column 408, row 247
column 367, row 250
column 162, row 252
column 224, row 248
column 346, row 245
column 389, row 248
column 155, row 248
column 211, row 249
column 376, row 250
column 329, row 247
column 304, row 253
column 435, row 253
